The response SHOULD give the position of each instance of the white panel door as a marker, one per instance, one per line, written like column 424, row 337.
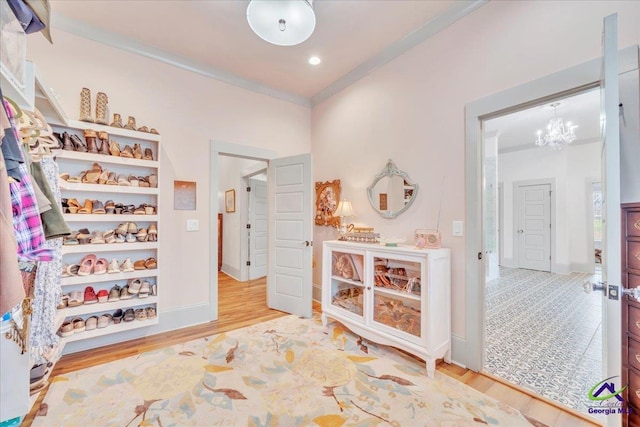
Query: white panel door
column 258, row 241
column 534, row 227
column 289, row 283
column 611, row 237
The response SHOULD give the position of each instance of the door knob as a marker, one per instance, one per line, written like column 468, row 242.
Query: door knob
column 308, row 243
column 590, row 287
column 520, row 231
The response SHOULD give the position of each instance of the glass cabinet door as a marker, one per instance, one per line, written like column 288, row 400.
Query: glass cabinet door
column 397, row 294
column 347, row 277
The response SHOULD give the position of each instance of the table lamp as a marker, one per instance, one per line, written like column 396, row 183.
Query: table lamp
column 344, row 210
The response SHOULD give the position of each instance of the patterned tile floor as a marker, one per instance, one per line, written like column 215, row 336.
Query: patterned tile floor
column 544, row 333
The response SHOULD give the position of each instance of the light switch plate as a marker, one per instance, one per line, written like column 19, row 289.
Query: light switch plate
column 193, row 225
column 458, row 228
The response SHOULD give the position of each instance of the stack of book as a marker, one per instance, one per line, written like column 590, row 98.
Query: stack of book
column 362, row 235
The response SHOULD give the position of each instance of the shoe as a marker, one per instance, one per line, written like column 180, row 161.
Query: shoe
column 87, row 208
column 132, row 228
column 133, row 181
column 139, row 265
column 125, row 294
column 144, row 289
column 100, row 266
column 134, row 286
column 153, row 229
column 84, row 237
column 66, row 142
column 90, row 136
column 143, row 182
column 66, row 330
column 74, row 205
column 139, row 210
column 109, row 236
column 103, row 295
column 127, row 151
column 78, row 325
column 91, row 323
column 72, row 269
column 110, row 207
column 148, row 154
column 117, row 121
column 76, row 298
column 131, row 123
column 104, row 176
column 128, row 210
column 153, row 180
column 149, row 210
column 104, row 320
column 154, row 289
column 151, row 263
column 122, row 180
column 111, row 179
column 123, row 229
column 137, row 151
column 90, row 296
column 154, row 131
column 143, row 129
column 64, row 302
column 114, row 148
column 97, row 238
column 78, row 145
column 131, row 238
column 85, row 105
column 98, row 207
column 120, row 238
column 87, row 264
column 104, row 143
column 101, row 108
column 142, row 235
column 92, row 176
column 71, row 239
column 129, row 315
column 141, row 314
column 151, row 313
column 114, row 267
column 127, row 266
column 117, row 316
column 114, row 294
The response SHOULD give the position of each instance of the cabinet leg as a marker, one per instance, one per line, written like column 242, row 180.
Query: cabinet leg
column 324, row 319
column 431, row 367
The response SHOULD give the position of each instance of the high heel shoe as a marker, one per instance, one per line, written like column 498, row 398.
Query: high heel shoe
column 104, row 142
column 78, row 145
column 90, row 136
column 117, row 121
column 131, row 123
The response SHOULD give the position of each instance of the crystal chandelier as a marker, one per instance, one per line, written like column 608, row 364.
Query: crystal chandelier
column 558, row 132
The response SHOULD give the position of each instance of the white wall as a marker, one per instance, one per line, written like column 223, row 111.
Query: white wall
column 570, row 168
column 412, row 110
column 189, row 110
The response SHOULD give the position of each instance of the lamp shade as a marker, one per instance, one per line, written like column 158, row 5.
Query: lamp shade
column 282, row 22
column 344, row 209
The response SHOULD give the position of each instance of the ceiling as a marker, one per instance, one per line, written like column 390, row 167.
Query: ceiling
column 352, row 37
column 517, row 131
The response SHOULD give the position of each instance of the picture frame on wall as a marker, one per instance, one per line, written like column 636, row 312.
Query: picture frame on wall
column 184, row 195
column 230, row 201
column 327, row 199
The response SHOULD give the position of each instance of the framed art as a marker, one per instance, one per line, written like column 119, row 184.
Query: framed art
column 184, row 195
column 327, row 198
column 230, row 201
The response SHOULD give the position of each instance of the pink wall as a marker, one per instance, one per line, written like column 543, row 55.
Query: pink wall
column 412, row 110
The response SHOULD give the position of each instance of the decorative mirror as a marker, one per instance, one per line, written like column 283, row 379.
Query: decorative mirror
column 392, row 191
column 327, row 198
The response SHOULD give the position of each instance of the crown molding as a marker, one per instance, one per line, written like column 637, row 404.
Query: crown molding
column 109, row 38
column 459, row 10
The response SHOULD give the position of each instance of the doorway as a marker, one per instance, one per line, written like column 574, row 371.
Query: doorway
column 257, row 225
column 538, row 286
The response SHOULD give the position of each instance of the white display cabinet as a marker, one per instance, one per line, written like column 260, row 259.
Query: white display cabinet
column 398, row 296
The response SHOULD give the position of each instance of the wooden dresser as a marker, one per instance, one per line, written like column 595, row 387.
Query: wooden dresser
column 631, row 310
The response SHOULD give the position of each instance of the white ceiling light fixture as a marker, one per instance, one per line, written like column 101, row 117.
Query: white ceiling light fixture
column 282, row 22
column 558, row 132
column 314, row 60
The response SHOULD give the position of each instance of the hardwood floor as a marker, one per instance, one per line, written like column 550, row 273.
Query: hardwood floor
column 245, row 303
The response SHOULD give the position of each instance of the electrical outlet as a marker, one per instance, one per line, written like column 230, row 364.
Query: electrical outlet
column 193, row 225
column 458, row 228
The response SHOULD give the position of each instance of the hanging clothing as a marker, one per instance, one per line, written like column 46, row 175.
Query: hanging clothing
column 53, row 222
column 48, row 290
column 26, row 217
column 11, row 290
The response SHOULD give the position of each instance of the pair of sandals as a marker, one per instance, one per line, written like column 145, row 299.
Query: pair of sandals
column 95, row 322
column 80, row 237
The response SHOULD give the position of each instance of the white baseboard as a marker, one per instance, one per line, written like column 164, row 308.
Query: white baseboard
column 508, row 262
column 583, row 267
column 317, row 293
column 231, row 271
column 168, row 321
column 458, row 351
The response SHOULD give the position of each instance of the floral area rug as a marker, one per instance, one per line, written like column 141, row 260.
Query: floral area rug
column 285, row 372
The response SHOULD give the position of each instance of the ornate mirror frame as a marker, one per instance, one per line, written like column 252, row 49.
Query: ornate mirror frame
column 327, row 199
column 389, row 171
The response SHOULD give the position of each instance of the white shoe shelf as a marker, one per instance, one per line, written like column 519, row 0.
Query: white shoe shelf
column 74, row 163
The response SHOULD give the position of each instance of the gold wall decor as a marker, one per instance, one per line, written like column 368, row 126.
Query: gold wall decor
column 327, row 198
